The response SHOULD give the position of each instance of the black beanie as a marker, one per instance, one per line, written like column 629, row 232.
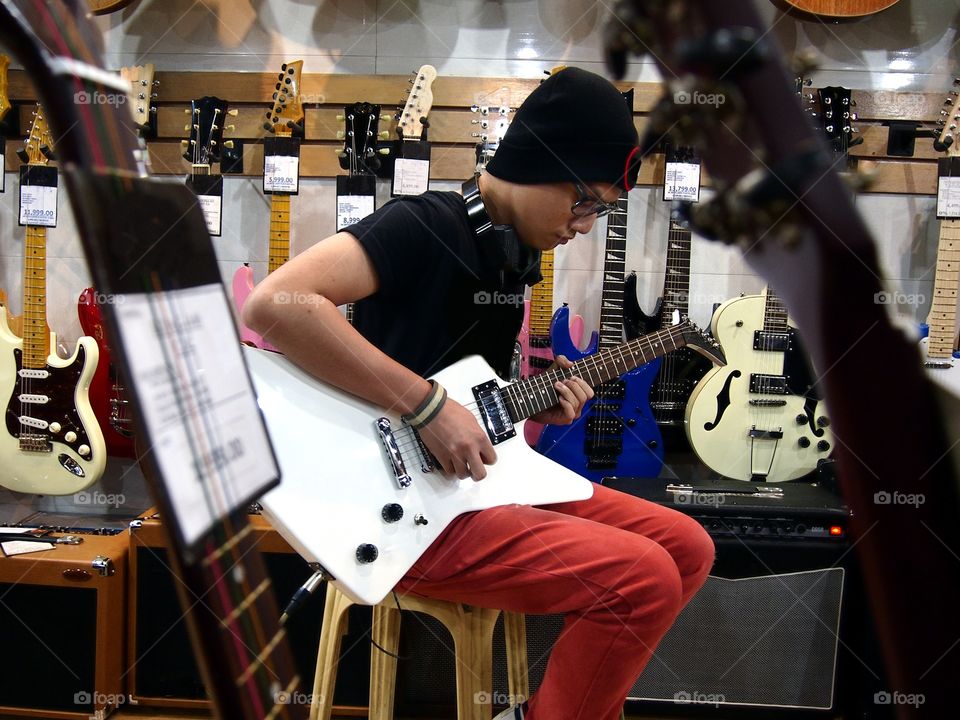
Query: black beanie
column 575, row 126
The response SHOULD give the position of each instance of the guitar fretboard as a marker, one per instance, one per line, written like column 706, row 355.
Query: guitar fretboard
column 614, row 264
column 676, row 281
column 943, row 312
column 774, row 314
column 541, row 298
column 36, row 341
column 528, row 397
column 279, row 230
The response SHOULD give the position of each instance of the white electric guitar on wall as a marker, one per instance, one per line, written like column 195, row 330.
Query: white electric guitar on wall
column 361, row 495
column 939, row 348
column 758, row 418
column 52, row 444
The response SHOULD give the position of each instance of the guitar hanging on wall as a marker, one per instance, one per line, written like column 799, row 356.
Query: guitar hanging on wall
column 108, row 396
column 52, row 444
column 615, row 433
column 204, row 147
column 282, row 120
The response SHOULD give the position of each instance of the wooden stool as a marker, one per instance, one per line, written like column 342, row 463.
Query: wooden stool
column 472, row 632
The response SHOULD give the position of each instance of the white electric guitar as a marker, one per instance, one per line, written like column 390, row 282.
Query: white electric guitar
column 939, row 347
column 52, row 444
column 757, row 418
column 360, row 494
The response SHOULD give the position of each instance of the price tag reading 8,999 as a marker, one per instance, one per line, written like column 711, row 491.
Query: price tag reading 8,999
column 38, row 195
column 351, row 209
column 681, row 181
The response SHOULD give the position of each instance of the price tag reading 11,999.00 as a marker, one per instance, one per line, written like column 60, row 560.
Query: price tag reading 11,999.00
column 681, row 181
column 38, row 195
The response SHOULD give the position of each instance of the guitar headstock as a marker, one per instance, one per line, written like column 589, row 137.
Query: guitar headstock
column 698, row 341
column 949, row 138
column 141, row 95
column 493, row 123
column 286, row 115
column 38, row 148
column 360, row 155
column 410, row 125
column 205, row 144
column 4, row 100
column 836, row 118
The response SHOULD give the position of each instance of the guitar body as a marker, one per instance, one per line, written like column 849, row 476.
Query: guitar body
column 336, row 477
column 242, row 287
column 56, row 467
column 536, row 353
column 841, row 8
column 945, row 372
column 108, row 397
column 614, row 435
column 723, row 412
column 102, row 7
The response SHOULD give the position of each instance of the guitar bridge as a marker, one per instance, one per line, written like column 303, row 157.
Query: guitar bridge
column 400, row 474
column 493, row 412
column 33, row 442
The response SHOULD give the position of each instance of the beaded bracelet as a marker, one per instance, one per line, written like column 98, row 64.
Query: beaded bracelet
column 429, row 408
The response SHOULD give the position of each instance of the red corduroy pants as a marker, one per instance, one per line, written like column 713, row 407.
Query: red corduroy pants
column 620, row 569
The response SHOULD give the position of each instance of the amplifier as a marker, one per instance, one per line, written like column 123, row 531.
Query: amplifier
column 163, row 672
column 61, row 614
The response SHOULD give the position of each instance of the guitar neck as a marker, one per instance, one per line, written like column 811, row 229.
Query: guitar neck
column 676, row 280
column 541, row 298
column 279, row 230
column 254, row 677
column 528, row 397
column 36, row 343
column 614, row 264
column 943, row 312
column 774, row 313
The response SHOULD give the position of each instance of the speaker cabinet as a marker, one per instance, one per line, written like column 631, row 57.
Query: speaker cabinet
column 61, row 614
column 163, row 671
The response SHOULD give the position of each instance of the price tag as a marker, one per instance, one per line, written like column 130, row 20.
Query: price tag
column 351, row 209
column 682, row 181
column 197, row 401
column 411, row 176
column 209, row 190
column 38, row 195
column 948, row 187
column 281, row 173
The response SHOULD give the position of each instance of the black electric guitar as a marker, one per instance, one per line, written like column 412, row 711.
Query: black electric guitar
column 146, row 241
column 781, row 202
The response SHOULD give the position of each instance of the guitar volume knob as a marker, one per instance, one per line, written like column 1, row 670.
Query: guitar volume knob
column 392, row 512
column 804, row 442
column 55, row 427
column 823, row 446
column 823, row 421
column 367, row 553
column 70, row 437
column 84, row 450
column 801, row 419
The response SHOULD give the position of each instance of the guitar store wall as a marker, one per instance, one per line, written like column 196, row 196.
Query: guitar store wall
column 898, row 58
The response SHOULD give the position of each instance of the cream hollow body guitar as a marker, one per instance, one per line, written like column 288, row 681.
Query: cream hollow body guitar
column 757, row 418
column 359, row 493
column 52, row 444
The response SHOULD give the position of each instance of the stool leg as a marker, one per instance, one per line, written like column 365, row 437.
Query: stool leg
column 474, row 647
column 518, row 677
column 385, row 631
column 328, row 654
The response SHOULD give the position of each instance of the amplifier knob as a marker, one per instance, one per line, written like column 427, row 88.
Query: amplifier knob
column 804, row 442
column 823, row 421
column 392, row 512
column 801, row 529
column 367, row 553
column 823, row 446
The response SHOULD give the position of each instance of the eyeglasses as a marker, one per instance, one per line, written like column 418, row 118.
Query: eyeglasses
column 589, row 204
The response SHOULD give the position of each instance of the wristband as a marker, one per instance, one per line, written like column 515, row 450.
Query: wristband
column 429, row 408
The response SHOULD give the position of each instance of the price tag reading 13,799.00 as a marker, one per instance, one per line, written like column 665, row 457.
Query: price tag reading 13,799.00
column 681, row 181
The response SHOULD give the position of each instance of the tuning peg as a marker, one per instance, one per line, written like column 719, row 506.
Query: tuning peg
column 268, row 127
column 854, row 116
column 340, row 135
column 187, row 111
column 956, row 81
column 340, row 153
column 384, row 151
column 233, row 113
column 384, row 134
column 187, row 128
column 22, row 154
column 230, row 128
column 341, row 118
column 184, row 144
column 228, row 144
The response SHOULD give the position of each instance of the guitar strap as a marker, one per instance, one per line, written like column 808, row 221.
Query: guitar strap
column 498, row 245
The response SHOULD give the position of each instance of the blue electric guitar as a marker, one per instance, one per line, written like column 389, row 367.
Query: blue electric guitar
column 616, row 434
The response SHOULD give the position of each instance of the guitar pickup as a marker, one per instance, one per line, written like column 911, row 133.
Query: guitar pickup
column 603, row 446
column 400, row 474
column 768, row 384
column 33, row 399
column 540, row 363
column 756, row 434
column 604, row 426
column 771, row 341
column 767, row 403
column 541, row 342
column 602, row 462
column 612, row 390
column 33, row 373
column 493, row 412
